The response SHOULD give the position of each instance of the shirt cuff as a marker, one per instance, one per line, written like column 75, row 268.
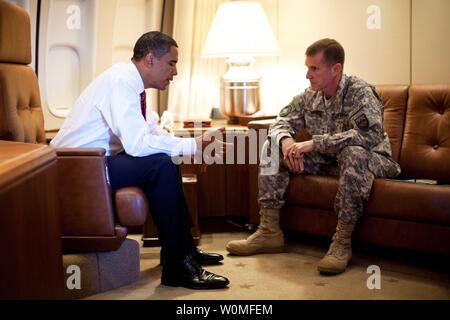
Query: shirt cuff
column 189, row 146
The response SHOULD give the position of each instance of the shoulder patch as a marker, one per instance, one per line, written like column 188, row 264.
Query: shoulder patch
column 286, row 111
column 360, row 120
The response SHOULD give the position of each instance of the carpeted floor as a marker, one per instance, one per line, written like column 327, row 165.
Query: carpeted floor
column 293, row 275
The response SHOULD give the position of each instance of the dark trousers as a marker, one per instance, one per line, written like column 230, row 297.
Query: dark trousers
column 161, row 182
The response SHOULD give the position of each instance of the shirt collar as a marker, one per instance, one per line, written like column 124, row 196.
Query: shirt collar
column 337, row 100
column 341, row 86
column 137, row 83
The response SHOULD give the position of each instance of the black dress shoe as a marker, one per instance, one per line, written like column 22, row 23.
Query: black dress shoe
column 189, row 274
column 201, row 257
column 205, row 258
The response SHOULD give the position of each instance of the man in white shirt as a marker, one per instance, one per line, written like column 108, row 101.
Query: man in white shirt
column 110, row 114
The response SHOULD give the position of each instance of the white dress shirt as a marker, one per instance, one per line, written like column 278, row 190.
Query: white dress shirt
column 108, row 115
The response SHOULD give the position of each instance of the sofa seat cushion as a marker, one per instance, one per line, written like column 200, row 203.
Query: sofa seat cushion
column 391, row 199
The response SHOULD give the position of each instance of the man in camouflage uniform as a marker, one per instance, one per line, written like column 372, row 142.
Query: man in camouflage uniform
column 344, row 117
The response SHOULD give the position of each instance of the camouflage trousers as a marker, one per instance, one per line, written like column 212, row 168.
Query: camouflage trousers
column 356, row 168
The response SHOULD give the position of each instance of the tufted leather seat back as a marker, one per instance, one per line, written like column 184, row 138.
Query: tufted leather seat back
column 21, row 117
column 394, row 99
column 425, row 152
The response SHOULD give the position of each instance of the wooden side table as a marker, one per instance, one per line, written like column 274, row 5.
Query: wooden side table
column 222, row 188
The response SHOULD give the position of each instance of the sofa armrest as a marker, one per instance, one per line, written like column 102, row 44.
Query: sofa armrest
column 131, row 206
column 85, row 197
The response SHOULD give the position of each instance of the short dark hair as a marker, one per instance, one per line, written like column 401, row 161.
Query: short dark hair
column 155, row 42
column 332, row 51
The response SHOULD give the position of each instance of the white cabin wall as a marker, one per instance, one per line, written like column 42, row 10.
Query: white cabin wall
column 71, row 55
column 380, row 56
column 430, row 41
column 66, row 55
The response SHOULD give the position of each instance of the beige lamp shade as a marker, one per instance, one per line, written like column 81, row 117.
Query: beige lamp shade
column 240, row 27
column 240, row 30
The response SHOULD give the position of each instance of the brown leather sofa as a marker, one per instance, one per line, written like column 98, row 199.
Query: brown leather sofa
column 410, row 212
column 93, row 219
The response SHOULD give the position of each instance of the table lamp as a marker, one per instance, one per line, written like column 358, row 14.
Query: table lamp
column 240, row 31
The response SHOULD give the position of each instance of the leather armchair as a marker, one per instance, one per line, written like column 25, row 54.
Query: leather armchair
column 92, row 217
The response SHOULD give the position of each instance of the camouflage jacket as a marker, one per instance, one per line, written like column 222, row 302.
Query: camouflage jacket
column 353, row 117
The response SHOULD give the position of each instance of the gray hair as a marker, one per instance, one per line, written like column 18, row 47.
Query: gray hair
column 332, row 51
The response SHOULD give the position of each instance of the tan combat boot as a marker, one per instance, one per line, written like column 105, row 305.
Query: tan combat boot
column 267, row 239
column 340, row 252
